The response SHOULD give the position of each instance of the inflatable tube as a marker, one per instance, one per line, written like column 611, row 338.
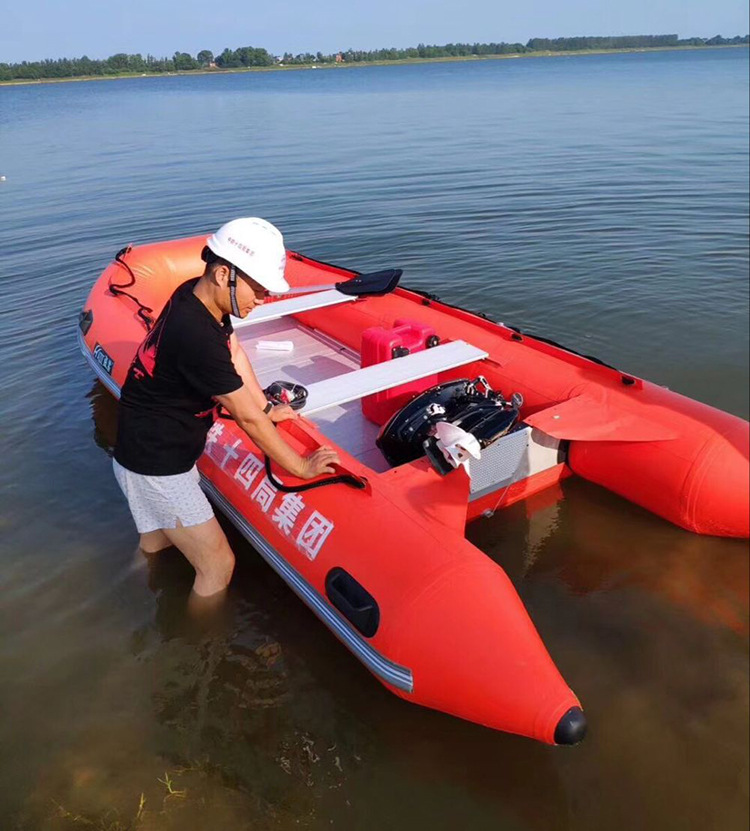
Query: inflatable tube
column 387, row 567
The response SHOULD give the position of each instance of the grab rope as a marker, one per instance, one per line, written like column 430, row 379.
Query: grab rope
column 341, row 479
column 117, row 288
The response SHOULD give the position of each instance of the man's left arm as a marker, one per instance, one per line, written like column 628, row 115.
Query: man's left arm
column 280, row 412
column 245, row 371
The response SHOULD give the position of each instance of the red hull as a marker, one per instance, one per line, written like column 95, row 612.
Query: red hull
column 452, row 632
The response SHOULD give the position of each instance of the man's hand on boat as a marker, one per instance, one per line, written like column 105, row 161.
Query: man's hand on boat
column 282, row 412
column 320, row 461
column 245, row 410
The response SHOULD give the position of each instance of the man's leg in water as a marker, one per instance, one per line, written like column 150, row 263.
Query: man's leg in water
column 154, row 541
column 207, row 550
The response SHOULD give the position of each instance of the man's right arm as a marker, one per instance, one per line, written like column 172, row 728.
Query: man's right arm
column 259, row 427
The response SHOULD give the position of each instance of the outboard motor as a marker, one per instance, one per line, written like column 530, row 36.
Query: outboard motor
column 472, row 407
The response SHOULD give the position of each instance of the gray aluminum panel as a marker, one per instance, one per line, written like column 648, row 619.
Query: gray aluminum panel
column 294, row 305
column 314, row 358
column 383, row 376
column 512, row 458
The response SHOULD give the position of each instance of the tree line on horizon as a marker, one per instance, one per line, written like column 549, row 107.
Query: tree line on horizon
column 249, row 56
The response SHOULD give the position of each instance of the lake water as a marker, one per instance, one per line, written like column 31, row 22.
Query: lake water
column 598, row 200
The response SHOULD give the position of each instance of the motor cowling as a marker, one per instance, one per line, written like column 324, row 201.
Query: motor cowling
column 471, row 405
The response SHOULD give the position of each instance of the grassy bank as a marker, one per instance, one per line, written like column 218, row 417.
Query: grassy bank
column 335, row 66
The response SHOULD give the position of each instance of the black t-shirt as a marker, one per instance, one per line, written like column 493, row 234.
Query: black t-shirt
column 167, row 402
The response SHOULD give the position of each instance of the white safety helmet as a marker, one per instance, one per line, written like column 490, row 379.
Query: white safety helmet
column 256, row 248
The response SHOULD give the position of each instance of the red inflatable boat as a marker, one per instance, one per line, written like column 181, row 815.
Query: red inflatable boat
column 439, row 415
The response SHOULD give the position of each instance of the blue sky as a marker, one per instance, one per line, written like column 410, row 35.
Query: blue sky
column 38, row 29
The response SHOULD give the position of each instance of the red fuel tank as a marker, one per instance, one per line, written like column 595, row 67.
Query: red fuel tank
column 380, row 344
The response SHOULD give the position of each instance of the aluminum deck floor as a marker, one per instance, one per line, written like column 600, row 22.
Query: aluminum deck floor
column 314, row 358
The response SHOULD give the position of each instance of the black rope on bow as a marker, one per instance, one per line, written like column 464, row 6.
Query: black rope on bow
column 342, row 479
column 117, row 288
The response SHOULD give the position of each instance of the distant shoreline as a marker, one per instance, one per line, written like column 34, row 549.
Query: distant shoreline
column 360, row 64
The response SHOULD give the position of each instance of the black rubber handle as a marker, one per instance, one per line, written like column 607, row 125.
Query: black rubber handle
column 353, row 601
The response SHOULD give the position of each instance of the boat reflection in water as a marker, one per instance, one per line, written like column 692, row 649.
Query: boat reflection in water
column 593, row 542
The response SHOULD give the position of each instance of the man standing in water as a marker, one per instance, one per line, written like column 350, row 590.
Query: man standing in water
column 189, row 364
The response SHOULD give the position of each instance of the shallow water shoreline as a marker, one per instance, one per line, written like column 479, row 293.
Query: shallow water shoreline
column 602, row 203
column 295, row 67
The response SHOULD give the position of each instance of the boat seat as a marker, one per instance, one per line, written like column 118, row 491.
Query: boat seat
column 291, row 306
column 354, row 385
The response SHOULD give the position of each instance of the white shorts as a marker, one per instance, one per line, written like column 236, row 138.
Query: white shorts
column 158, row 502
